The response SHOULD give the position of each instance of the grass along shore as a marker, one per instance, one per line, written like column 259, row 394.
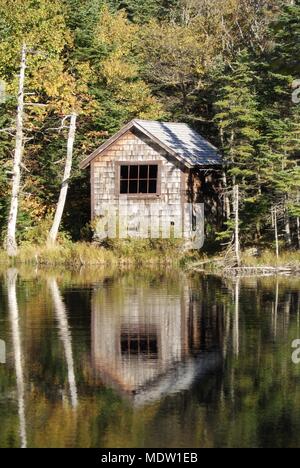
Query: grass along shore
column 75, row 255
column 135, row 253
column 264, row 263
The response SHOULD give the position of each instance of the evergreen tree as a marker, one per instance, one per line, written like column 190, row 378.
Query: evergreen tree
column 237, row 117
column 285, row 31
column 138, row 11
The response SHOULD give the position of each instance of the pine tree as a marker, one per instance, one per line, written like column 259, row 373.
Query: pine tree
column 281, row 120
column 237, row 117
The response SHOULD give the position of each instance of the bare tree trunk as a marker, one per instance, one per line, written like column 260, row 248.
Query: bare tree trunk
column 17, row 349
column 288, row 230
column 236, row 197
column 11, row 243
column 275, row 221
column 287, row 226
column 226, row 198
column 65, row 184
column 298, row 231
column 298, row 223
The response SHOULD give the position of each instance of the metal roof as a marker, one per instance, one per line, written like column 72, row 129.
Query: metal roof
column 184, row 141
column 178, row 139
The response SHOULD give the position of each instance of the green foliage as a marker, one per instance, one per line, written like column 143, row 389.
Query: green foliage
column 237, row 117
column 199, row 62
column 286, row 35
column 138, row 11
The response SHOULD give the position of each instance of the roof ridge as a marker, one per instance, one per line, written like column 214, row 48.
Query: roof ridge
column 163, row 122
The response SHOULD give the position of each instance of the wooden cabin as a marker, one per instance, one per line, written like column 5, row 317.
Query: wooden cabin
column 150, row 164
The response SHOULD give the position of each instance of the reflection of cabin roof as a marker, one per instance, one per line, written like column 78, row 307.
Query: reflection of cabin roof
column 178, row 139
column 179, row 377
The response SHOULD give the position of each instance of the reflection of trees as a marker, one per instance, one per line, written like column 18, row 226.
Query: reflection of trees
column 17, row 348
column 265, row 384
column 275, row 309
column 236, row 322
column 65, row 334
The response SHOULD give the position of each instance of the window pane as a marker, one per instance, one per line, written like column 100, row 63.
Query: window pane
column 139, row 344
column 143, row 186
column 133, row 186
column 134, row 172
column 144, row 172
column 153, row 170
column 138, row 178
column 152, row 186
column 124, row 172
column 124, row 186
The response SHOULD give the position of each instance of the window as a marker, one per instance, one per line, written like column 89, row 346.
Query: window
column 141, row 342
column 138, row 179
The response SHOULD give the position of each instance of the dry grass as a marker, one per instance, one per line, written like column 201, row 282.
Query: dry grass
column 268, row 258
column 288, row 260
column 133, row 252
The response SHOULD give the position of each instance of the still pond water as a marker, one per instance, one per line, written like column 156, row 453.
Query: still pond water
column 148, row 359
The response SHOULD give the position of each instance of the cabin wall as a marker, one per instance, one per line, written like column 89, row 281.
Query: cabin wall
column 139, row 313
column 135, row 147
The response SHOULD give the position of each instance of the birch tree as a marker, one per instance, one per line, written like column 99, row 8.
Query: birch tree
column 65, row 184
column 236, row 195
column 275, row 224
column 11, row 243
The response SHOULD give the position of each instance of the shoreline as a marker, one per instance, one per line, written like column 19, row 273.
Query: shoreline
column 142, row 254
column 81, row 254
column 286, row 265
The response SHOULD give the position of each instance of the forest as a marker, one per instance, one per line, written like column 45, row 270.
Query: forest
column 230, row 69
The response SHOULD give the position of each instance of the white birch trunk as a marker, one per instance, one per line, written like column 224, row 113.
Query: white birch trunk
column 298, row 223
column 237, row 224
column 298, row 231
column 287, row 225
column 288, row 230
column 11, row 243
column 276, row 232
column 226, row 198
column 65, row 184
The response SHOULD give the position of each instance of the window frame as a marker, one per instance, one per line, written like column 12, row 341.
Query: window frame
column 138, row 163
column 145, row 337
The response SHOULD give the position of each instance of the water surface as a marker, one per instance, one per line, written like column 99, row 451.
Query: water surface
column 148, row 359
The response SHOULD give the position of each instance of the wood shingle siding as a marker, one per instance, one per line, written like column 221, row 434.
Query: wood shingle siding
column 135, row 149
column 180, row 179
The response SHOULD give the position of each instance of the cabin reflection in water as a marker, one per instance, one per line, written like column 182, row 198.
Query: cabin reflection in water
column 148, row 341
